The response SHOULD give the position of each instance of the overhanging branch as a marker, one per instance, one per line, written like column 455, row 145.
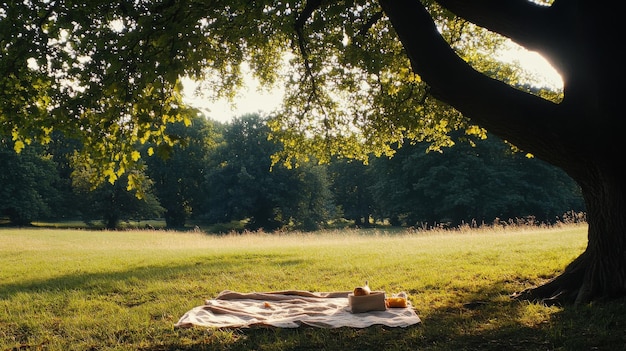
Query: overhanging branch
column 369, row 23
column 492, row 104
column 306, row 13
column 509, row 18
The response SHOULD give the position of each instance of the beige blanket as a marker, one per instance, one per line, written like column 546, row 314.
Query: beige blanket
column 290, row 309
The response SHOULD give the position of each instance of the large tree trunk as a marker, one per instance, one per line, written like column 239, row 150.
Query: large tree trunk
column 600, row 271
column 578, row 135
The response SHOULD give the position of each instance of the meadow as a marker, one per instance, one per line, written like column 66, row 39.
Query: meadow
column 63, row 289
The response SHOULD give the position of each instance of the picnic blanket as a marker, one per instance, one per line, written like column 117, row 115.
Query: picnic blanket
column 290, row 309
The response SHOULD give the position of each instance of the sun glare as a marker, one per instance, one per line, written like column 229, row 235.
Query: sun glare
column 544, row 74
column 251, row 99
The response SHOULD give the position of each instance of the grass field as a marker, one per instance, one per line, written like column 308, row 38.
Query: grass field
column 124, row 290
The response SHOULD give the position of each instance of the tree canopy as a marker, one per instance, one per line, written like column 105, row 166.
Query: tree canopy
column 109, row 74
column 362, row 77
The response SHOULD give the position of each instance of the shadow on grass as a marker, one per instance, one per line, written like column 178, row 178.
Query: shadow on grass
column 90, row 282
column 494, row 324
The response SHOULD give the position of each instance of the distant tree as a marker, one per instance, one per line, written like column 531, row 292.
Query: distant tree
column 392, row 186
column 62, row 150
column 238, row 178
column 28, row 183
column 178, row 177
column 471, row 183
column 351, row 182
column 309, row 201
column 242, row 183
column 115, row 202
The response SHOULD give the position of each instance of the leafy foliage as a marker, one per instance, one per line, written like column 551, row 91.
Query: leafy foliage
column 243, row 184
column 179, row 178
column 223, row 172
column 470, row 184
column 28, row 184
column 117, row 201
column 109, row 75
column 351, row 183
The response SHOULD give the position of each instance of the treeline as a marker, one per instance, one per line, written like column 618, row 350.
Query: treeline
column 220, row 173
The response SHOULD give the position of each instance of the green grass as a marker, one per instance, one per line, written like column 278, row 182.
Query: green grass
column 66, row 289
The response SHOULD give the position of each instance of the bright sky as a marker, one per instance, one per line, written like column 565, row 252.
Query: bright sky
column 252, row 100
column 536, row 64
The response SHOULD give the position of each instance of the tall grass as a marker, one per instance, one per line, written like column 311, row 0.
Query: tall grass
column 124, row 290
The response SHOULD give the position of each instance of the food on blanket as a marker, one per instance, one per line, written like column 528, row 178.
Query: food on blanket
column 362, row 290
column 396, row 301
column 374, row 301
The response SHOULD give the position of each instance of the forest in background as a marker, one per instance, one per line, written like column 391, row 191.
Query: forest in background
column 222, row 172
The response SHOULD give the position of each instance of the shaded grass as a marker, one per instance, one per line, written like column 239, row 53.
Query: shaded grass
column 124, row 290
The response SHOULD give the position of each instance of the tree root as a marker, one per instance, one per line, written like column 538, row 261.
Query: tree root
column 569, row 288
column 548, row 294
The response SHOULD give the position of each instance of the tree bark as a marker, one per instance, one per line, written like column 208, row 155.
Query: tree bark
column 577, row 135
column 600, row 271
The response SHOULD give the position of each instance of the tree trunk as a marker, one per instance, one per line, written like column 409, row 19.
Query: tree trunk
column 175, row 217
column 600, row 271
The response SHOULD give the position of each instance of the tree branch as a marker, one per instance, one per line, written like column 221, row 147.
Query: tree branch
column 494, row 105
column 306, row 13
column 509, row 18
column 547, row 34
column 370, row 22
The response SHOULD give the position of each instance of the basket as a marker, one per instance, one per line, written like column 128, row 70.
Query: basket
column 374, row 301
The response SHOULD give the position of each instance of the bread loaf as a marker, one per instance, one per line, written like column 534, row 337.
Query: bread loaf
column 362, row 290
column 396, row 302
